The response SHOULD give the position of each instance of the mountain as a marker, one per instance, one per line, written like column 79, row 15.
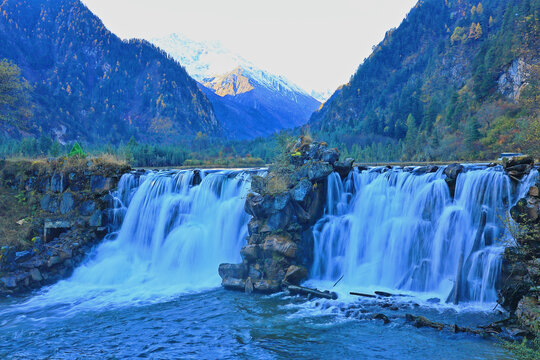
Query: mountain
column 89, row 85
column 457, row 79
column 248, row 101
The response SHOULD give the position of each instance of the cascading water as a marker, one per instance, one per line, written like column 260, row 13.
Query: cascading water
column 172, row 238
column 399, row 230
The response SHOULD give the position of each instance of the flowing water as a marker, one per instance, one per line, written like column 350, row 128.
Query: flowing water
column 151, row 289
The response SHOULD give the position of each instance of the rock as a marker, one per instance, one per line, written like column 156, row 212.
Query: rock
column 9, row 282
column 250, row 253
column 253, row 226
column 295, row 274
column 533, row 191
column 280, row 201
column 87, row 208
column 330, row 156
column 100, row 183
column 52, row 229
column 267, row 286
column 21, row 256
column 58, row 183
column 197, row 177
column 234, row 284
column 425, row 169
column 343, row 168
column 452, row 171
column 49, row 203
column 35, row 274
column 237, row 271
column 317, row 171
column 509, row 162
column 301, row 190
column 248, row 288
column 257, row 184
column 281, row 245
column 67, row 203
column 256, row 206
column 54, row 260
column 526, row 211
column 433, row 300
column 382, row 317
column 95, row 219
column 528, row 313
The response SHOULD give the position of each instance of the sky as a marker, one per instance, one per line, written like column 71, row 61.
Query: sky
column 318, row 44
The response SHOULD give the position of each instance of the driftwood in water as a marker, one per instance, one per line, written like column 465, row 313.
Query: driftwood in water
column 383, row 293
column 362, row 294
column 420, row 321
column 302, row 290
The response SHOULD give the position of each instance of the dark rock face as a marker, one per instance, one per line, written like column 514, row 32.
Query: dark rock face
column 69, row 220
column 520, row 280
column 284, row 205
column 452, row 171
column 518, row 166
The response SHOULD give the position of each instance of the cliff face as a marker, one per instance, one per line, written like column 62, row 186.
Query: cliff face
column 284, row 205
column 52, row 213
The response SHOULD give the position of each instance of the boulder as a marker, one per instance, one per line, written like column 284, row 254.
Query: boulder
column 318, row 171
column 96, row 219
column 257, row 206
column 21, row 256
column 267, row 286
column 295, row 274
column 280, row 245
column 301, row 190
column 9, row 282
column 58, row 183
column 258, row 184
column 250, row 253
column 237, row 271
column 52, row 229
column 253, row 226
column 330, row 156
column 35, row 274
column 87, row 208
column 67, row 203
column 234, row 284
column 100, row 183
column 452, row 171
column 49, row 203
column 343, row 168
column 517, row 160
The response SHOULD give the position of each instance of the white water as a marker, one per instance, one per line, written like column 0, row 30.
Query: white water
column 397, row 230
column 172, row 238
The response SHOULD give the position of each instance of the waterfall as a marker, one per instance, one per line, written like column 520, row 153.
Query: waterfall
column 172, row 236
column 396, row 229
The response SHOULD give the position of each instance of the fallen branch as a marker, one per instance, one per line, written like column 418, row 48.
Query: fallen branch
column 302, row 290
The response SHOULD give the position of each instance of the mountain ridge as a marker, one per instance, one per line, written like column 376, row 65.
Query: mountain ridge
column 87, row 82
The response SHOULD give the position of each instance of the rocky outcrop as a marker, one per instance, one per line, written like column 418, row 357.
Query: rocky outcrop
column 514, row 79
column 67, row 205
column 284, row 205
column 520, row 287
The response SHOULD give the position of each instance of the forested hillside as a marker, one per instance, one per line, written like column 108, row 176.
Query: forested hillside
column 84, row 83
column 458, row 79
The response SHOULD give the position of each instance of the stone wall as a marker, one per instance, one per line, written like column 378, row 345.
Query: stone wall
column 520, row 287
column 66, row 203
column 284, row 205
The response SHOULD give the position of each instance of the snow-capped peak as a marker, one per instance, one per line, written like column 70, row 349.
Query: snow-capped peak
column 206, row 60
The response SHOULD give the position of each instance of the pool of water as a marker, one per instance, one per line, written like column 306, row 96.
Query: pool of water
column 221, row 324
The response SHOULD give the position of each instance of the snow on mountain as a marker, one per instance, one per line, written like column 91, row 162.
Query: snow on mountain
column 248, row 101
column 205, row 60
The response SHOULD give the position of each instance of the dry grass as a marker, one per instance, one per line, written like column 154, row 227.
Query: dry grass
column 14, row 207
